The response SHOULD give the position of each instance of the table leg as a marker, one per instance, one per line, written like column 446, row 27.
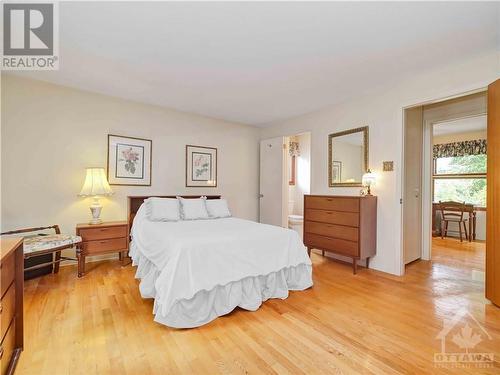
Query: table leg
column 471, row 215
column 474, row 225
column 81, row 263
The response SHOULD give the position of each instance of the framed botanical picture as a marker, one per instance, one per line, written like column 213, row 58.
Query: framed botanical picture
column 201, row 166
column 129, row 160
column 336, row 171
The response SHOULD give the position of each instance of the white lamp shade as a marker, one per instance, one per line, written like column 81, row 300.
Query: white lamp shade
column 95, row 184
column 369, row 179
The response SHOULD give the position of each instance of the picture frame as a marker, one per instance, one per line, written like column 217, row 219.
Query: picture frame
column 129, row 160
column 201, row 166
column 336, row 171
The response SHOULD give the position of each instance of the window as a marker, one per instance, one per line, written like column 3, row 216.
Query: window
column 461, row 179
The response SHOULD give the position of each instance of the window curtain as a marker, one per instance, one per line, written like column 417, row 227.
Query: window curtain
column 464, row 148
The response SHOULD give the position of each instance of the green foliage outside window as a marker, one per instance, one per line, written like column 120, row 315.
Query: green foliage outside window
column 469, row 190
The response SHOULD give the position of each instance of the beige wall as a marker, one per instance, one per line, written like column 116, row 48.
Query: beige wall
column 51, row 133
column 382, row 111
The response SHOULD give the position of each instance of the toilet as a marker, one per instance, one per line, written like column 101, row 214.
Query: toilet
column 296, row 223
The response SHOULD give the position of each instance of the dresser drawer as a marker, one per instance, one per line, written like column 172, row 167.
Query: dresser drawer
column 91, row 234
column 333, row 244
column 7, row 272
column 333, row 203
column 7, row 347
column 333, row 217
column 7, row 308
column 332, row 230
column 101, row 246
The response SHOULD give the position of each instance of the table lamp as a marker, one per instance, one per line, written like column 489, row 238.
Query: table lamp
column 95, row 186
column 368, row 180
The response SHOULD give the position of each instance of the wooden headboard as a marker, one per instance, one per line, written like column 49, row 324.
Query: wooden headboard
column 134, row 202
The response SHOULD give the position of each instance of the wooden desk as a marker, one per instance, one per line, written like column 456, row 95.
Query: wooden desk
column 470, row 208
column 11, row 303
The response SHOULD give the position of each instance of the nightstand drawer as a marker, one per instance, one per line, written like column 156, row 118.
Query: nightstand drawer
column 91, row 234
column 100, row 246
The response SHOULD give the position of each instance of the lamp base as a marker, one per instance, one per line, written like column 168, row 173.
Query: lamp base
column 95, row 209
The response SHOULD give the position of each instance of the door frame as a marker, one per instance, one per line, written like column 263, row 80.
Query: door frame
column 425, row 242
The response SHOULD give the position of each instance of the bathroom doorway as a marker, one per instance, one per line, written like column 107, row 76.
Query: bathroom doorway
column 298, row 179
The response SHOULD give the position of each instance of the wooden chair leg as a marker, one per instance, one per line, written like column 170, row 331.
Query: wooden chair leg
column 460, row 232
column 442, row 229
column 446, row 230
column 467, row 235
column 323, row 252
column 57, row 261
column 354, row 266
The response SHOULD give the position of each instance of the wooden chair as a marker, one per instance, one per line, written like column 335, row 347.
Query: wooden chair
column 453, row 212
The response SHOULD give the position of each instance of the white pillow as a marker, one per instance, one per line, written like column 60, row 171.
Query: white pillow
column 192, row 209
column 163, row 209
column 218, row 208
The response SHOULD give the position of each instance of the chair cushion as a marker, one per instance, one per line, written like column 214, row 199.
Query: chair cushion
column 52, row 241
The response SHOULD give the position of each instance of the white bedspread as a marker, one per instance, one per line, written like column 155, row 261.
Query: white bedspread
column 198, row 270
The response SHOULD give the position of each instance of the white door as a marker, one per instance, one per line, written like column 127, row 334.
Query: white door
column 412, row 197
column 271, row 181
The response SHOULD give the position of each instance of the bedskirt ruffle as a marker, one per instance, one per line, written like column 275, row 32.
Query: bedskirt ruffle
column 206, row 305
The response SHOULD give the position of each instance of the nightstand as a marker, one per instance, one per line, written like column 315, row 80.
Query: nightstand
column 97, row 239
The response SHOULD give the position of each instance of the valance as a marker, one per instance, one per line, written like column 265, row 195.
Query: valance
column 464, row 148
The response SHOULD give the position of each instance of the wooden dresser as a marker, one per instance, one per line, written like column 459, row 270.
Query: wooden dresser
column 11, row 305
column 342, row 225
column 105, row 238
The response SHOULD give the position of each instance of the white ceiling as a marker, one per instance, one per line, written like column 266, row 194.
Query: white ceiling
column 465, row 125
column 259, row 62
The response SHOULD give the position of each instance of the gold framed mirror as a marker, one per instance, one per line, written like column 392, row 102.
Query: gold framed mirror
column 347, row 157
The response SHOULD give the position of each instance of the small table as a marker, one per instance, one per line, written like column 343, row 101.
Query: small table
column 104, row 238
column 470, row 208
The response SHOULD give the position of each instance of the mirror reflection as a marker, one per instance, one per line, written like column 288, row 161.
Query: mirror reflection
column 348, row 157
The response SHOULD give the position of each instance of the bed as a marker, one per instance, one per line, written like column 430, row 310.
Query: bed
column 198, row 270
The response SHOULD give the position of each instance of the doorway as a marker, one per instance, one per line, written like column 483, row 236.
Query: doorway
column 445, row 160
column 460, row 171
column 285, row 177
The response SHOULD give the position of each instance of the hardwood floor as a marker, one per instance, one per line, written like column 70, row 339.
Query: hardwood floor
column 365, row 323
column 450, row 251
